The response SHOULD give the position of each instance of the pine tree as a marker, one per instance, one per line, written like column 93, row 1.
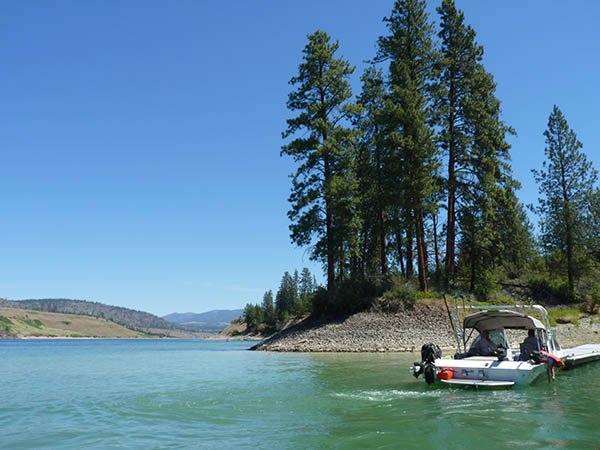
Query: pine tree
column 250, row 316
column 566, row 185
column 322, row 187
column 305, row 287
column 480, row 187
column 268, row 309
column 286, row 300
column 459, row 62
column 593, row 226
column 374, row 171
column 410, row 52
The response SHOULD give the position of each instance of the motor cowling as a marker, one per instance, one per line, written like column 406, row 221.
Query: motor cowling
column 429, row 353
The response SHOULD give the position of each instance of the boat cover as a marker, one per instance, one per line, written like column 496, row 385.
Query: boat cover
column 492, row 320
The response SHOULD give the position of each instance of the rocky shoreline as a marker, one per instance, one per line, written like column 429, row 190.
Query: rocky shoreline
column 403, row 331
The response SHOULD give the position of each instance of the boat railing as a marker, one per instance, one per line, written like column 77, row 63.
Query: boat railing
column 461, row 308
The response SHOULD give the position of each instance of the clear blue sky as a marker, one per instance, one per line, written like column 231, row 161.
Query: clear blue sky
column 140, row 140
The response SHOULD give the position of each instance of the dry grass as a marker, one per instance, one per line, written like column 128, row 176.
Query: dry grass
column 25, row 323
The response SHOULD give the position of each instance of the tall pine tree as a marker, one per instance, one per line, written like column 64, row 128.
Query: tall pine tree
column 410, row 51
column 473, row 136
column 459, row 62
column 567, row 188
column 374, row 172
column 322, row 145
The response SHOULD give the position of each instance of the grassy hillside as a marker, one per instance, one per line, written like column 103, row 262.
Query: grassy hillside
column 129, row 318
column 22, row 323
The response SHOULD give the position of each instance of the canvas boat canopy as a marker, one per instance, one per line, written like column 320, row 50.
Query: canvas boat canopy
column 492, row 320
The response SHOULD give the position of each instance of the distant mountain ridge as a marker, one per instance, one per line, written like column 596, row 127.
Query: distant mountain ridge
column 130, row 318
column 214, row 320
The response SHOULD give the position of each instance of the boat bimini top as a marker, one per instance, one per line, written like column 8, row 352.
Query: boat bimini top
column 492, row 320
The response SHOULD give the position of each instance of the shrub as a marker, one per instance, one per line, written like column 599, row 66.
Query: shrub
column 594, row 298
column 354, row 295
column 320, row 301
column 33, row 323
column 5, row 320
column 402, row 292
column 552, row 291
column 485, row 283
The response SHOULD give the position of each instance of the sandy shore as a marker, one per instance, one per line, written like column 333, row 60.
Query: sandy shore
column 404, row 331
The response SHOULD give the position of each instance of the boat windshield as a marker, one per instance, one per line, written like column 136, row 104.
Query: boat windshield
column 483, row 347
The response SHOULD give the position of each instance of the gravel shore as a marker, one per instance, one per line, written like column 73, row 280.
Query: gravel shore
column 404, row 331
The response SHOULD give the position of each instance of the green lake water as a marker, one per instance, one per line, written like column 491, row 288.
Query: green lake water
column 151, row 394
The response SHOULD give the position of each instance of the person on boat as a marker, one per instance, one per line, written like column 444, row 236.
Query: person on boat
column 529, row 345
column 485, row 346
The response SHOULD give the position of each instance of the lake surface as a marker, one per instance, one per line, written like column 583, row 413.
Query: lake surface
column 80, row 394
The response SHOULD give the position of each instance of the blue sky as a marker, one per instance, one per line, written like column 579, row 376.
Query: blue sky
column 139, row 141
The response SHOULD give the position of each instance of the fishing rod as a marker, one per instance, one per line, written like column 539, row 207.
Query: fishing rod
column 451, row 322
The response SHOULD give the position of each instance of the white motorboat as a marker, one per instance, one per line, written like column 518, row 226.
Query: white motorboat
column 489, row 360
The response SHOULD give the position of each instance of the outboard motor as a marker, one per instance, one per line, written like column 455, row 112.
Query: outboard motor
column 429, row 353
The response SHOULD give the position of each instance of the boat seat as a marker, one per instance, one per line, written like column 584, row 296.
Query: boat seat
column 525, row 351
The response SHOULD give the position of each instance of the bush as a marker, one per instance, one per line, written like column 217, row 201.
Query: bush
column 485, row 284
column 319, row 302
column 594, row 298
column 401, row 293
column 33, row 323
column 353, row 295
column 552, row 291
column 5, row 320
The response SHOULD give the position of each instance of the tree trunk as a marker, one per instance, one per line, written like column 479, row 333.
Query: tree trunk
column 409, row 250
column 421, row 260
column 382, row 243
column 435, row 242
column 399, row 243
column 568, row 229
column 451, row 224
column 341, row 263
column 473, row 260
column 451, row 221
column 570, row 262
column 329, row 231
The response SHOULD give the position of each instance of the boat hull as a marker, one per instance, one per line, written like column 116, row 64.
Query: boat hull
column 481, row 368
column 580, row 355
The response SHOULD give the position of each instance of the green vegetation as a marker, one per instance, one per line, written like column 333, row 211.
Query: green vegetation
column 295, row 297
column 564, row 315
column 32, row 323
column 375, row 173
column 129, row 318
column 16, row 322
column 567, row 192
column 5, row 321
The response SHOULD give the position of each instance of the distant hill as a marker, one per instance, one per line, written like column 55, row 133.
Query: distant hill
column 214, row 320
column 25, row 323
column 130, row 318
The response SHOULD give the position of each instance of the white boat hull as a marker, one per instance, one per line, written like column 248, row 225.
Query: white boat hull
column 483, row 368
column 583, row 354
